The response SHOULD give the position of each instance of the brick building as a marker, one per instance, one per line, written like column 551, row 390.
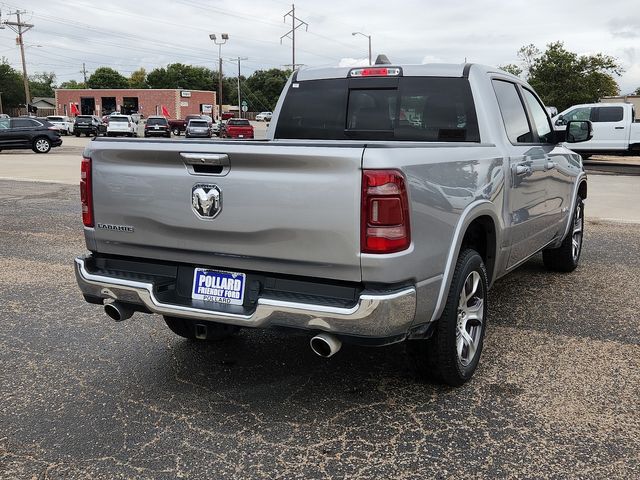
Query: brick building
column 178, row 103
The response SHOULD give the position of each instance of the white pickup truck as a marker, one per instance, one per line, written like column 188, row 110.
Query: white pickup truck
column 615, row 128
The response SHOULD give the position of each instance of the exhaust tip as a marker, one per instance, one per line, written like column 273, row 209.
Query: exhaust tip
column 118, row 311
column 325, row 345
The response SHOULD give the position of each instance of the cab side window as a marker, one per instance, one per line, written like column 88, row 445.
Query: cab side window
column 609, row 114
column 540, row 119
column 513, row 113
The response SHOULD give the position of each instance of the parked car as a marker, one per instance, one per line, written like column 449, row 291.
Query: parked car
column 122, row 125
column 62, row 122
column 87, row 124
column 22, row 132
column 178, row 126
column 237, row 128
column 217, row 128
column 331, row 225
column 264, row 117
column 157, row 125
column 198, row 128
column 228, row 115
column 615, row 129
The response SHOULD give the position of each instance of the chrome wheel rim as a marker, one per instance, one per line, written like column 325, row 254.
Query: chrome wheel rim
column 576, row 237
column 470, row 318
column 42, row 145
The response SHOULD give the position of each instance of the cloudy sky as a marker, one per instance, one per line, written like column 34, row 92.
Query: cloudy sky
column 127, row 34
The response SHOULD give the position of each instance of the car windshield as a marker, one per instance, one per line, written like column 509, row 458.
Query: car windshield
column 198, row 123
column 118, row 119
column 156, row 121
column 238, row 122
column 4, row 123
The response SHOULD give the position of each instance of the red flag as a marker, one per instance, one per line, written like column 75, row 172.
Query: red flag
column 74, row 109
column 165, row 111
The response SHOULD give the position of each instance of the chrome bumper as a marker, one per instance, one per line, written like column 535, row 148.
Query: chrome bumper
column 375, row 314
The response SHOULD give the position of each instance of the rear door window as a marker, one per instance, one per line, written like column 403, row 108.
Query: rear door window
column 24, row 123
column 609, row 114
column 513, row 113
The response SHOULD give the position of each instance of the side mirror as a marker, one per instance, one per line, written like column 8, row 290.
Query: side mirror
column 560, row 121
column 579, row 131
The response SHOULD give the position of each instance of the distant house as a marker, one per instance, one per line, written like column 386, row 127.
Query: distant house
column 633, row 99
column 44, row 103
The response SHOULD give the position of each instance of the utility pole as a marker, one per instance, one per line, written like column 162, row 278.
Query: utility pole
column 225, row 37
column 369, row 37
column 239, row 102
column 292, row 33
column 84, row 74
column 21, row 28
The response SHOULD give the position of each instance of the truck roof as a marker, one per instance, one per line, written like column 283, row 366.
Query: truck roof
column 408, row 70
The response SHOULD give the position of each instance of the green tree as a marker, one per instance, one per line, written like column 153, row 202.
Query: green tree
column 178, row 75
column 512, row 68
column 73, row 84
column 263, row 87
column 138, row 79
column 637, row 92
column 42, row 84
column 563, row 78
column 11, row 86
column 105, row 77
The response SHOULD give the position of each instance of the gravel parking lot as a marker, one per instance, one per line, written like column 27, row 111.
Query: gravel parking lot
column 557, row 394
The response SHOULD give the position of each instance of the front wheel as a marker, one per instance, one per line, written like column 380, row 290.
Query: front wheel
column 566, row 257
column 41, row 145
column 452, row 353
column 176, row 131
column 193, row 329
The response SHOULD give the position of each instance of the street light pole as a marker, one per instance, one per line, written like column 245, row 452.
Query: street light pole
column 369, row 38
column 224, row 39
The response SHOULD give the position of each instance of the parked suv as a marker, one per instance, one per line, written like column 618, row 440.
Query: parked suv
column 38, row 135
column 63, row 123
column 264, row 117
column 87, row 124
column 121, row 125
column 157, row 126
column 198, row 128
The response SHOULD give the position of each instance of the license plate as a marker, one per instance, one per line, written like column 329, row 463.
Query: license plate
column 218, row 287
column 157, row 127
column 240, row 136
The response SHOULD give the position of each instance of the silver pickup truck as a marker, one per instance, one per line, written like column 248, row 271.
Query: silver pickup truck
column 381, row 208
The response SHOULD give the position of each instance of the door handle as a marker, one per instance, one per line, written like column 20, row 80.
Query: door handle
column 619, row 128
column 216, row 159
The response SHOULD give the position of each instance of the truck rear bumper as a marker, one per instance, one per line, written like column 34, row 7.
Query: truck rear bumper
column 376, row 314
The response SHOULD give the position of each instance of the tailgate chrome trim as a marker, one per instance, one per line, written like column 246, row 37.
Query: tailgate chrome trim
column 375, row 314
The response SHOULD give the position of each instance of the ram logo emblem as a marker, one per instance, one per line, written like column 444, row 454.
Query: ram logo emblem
column 206, row 200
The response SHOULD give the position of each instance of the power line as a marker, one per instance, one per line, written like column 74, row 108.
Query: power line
column 292, row 33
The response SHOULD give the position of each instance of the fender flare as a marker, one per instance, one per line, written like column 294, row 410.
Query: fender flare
column 582, row 178
column 474, row 210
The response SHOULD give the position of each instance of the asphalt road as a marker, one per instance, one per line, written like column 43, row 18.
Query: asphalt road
column 557, row 394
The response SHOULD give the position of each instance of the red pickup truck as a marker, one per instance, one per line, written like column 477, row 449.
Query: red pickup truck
column 237, row 128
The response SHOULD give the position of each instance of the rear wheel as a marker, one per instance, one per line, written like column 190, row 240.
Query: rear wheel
column 452, row 353
column 176, row 131
column 566, row 257
column 41, row 145
column 200, row 330
column 77, row 134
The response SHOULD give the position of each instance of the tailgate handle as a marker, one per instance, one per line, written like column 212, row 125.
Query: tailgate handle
column 214, row 159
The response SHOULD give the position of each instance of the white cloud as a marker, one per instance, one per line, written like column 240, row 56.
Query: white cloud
column 353, row 62
column 431, row 59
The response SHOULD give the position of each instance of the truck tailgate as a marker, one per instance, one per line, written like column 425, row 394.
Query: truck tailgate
column 285, row 208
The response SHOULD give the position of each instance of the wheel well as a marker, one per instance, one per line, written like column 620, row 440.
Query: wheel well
column 481, row 236
column 582, row 190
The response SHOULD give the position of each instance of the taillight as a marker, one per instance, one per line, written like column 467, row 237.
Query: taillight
column 86, row 192
column 385, row 212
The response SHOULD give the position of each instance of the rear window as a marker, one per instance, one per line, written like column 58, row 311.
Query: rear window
column 429, row 109
column 157, row 121
column 609, row 114
column 238, row 122
column 55, row 119
column 115, row 118
column 84, row 118
column 198, row 123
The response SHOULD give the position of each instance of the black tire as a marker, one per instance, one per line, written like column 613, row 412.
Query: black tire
column 437, row 358
column 77, row 134
column 566, row 257
column 41, row 145
column 176, row 132
column 186, row 328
